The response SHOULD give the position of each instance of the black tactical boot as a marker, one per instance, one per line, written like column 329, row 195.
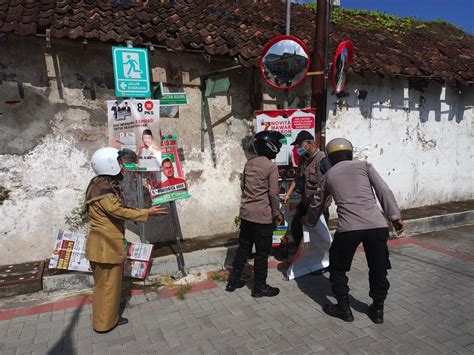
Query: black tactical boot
column 231, row 286
column 340, row 310
column 376, row 313
column 265, row 291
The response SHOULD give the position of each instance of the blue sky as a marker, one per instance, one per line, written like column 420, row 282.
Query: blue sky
column 459, row 12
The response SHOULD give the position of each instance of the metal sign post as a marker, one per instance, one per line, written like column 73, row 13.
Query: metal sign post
column 132, row 79
column 178, row 235
column 141, row 204
column 287, row 32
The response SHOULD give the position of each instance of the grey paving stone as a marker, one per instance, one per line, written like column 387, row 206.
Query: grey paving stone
column 41, row 336
column 32, row 347
column 259, row 343
column 428, row 310
column 15, row 329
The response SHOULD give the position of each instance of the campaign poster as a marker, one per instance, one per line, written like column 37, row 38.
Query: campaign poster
column 134, row 125
column 289, row 123
column 138, row 260
column 172, row 185
column 69, row 252
column 70, row 249
column 278, row 233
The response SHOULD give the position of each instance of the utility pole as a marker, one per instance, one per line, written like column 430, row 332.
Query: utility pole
column 287, row 32
column 320, row 59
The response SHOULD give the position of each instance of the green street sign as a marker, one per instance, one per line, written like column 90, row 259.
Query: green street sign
column 131, row 73
column 177, row 98
column 218, row 86
column 170, row 98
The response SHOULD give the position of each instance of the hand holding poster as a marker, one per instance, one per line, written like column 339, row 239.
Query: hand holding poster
column 280, row 232
column 172, row 185
column 134, row 125
column 70, row 249
column 138, row 260
column 69, row 252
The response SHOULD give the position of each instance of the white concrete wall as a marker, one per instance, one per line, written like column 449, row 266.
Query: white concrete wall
column 419, row 141
column 48, row 135
column 421, row 147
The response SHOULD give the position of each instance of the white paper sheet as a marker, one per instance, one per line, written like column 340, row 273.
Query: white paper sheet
column 316, row 256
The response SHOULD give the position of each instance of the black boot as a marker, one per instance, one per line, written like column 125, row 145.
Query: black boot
column 376, row 313
column 231, row 286
column 265, row 291
column 340, row 310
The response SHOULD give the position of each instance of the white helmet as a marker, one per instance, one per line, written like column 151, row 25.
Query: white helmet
column 104, row 161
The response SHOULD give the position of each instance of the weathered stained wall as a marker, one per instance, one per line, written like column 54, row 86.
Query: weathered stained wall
column 53, row 116
column 418, row 136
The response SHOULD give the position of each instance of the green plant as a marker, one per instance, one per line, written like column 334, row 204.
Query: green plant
column 153, row 287
column 218, row 276
column 182, row 291
column 4, row 194
column 382, row 21
column 74, row 219
column 237, row 221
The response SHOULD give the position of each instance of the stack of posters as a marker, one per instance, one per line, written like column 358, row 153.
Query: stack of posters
column 138, row 260
column 70, row 249
column 69, row 252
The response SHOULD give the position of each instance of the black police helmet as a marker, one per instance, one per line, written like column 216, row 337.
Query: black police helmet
column 267, row 143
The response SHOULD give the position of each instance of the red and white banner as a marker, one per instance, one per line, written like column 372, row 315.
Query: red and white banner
column 289, row 123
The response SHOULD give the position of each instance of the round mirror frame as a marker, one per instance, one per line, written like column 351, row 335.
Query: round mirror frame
column 350, row 55
column 267, row 47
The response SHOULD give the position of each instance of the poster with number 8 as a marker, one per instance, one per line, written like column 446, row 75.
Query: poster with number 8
column 135, row 125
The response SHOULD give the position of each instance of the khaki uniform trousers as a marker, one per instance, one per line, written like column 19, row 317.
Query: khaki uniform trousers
column 107, row 292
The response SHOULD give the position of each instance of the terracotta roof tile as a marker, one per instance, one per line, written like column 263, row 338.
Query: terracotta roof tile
column 239, row 29
column 76, row 32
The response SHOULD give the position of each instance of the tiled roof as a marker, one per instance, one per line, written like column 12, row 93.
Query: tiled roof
column 238, row 28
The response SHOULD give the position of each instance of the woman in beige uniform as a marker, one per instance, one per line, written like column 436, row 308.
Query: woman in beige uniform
column 105, row 246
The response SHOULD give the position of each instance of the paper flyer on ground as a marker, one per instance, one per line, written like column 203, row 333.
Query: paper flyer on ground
column 172, row 185
column 135, row 125
column 70, row 249
column 289, row 123
column 316, row 256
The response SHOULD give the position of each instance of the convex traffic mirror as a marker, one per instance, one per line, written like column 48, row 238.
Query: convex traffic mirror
column 284, row 62
column 342, row 59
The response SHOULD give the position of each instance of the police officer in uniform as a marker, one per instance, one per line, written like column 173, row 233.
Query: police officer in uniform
column 311, row 168
column 352, row 184
column 259, row 209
